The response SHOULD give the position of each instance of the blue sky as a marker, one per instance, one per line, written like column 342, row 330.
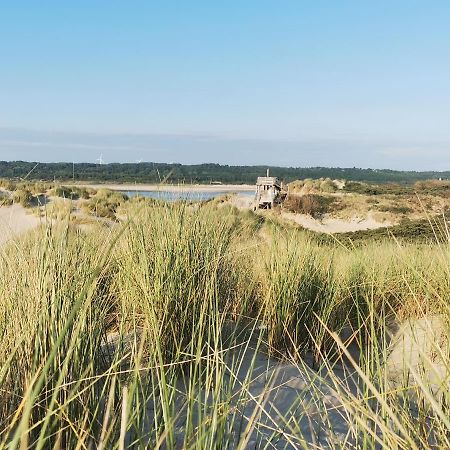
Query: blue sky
column 334, row 83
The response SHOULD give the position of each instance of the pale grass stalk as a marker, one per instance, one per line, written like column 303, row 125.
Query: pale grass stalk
column 124, row 419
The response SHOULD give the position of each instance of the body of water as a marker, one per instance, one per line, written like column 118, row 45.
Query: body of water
column 189, row 195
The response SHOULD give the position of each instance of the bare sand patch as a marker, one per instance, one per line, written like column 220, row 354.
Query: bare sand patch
column 333, row 225
column 420, row 346
column 15, row 220
column 242, row 202
column 282, row 395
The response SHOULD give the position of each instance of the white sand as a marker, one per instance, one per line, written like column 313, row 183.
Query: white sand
column 420, row 346
column 279, row 393
column 14, row 221
column 332, row 225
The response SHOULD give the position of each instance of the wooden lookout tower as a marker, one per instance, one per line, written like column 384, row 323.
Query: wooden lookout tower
column 269, row 191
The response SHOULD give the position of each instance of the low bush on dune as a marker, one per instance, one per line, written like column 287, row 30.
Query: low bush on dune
column 311, row 204
column 6, row 199
column 73, row 193
column 23, row 197
column 426, row 187
column 328, row 186
column 64, row 192
column 38, row 188
column 8, row 185
column 105, row 203
column 310, row 186
column 35, row 187
column 395, row 209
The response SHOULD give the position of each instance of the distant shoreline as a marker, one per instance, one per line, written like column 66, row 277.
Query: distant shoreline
column 171, row 187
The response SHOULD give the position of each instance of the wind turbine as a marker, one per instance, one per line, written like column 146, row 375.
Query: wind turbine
column 100, row 160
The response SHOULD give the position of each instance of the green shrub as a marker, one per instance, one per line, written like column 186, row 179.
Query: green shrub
column 396, row 209
column 362, row 188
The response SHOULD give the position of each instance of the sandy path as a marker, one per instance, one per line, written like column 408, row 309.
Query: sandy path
column 14, row 220
column 173, row 188
column 331, row 225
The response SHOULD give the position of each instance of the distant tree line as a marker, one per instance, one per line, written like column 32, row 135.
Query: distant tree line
column 148, row 172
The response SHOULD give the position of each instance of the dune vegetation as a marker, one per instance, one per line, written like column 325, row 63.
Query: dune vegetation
column 344, row 199
column 199, row 326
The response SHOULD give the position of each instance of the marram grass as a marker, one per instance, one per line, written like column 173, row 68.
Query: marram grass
column 153, row 333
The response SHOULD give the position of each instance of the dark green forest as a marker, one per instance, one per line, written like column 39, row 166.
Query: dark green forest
column 201, row 173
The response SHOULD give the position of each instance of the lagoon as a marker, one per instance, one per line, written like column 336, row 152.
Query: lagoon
column 189, row 195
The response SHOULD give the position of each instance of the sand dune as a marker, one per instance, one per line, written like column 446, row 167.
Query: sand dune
column 332, row 225
column 14, row 220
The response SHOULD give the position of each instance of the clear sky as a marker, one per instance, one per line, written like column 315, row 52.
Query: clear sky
column 302, row 82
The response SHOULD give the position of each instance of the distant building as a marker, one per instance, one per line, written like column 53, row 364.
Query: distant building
column 269, row 191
